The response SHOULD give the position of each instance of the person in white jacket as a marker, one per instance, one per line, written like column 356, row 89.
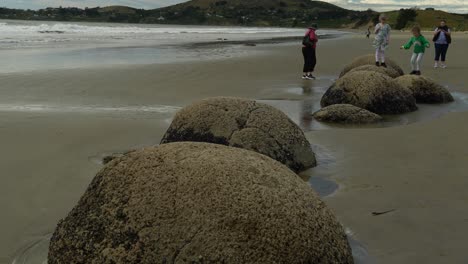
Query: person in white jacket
column 382, row 40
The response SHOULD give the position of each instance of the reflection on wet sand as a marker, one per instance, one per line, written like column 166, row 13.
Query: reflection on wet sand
column 301, row 105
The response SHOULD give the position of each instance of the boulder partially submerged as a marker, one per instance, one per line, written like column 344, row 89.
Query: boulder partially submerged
column 372, row 68
column 245, row 124
column 198, row 203
column 373, row 91
column 346, row 114
column 425, row 90
column 370, row 60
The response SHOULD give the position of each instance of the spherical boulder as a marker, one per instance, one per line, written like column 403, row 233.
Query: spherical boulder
column 425, row 90
column 370, row 60
column 198, row 203
column 245, row 124
column 346, row 114
column 373, row 91
column 387, row 71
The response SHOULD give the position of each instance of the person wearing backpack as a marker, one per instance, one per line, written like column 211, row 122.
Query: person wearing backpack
column 442, row 39
column 309, row 44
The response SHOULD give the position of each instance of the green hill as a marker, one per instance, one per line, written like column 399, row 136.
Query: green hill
column 117, row 9
column 428, row 19
column 263, row 13
column 281, row 13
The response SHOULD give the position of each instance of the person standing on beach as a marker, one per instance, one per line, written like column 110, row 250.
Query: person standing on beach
column 368, row 32
column 442, row 39
column 382, row 39
column 309, row 44
column 420, row 44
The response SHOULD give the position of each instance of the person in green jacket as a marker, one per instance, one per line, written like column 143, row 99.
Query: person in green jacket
column 420, row 44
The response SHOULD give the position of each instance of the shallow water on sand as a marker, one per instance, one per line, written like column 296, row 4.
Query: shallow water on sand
column 299, row 102
column 35, row 252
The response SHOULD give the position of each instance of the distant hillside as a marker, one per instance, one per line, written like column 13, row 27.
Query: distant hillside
column 282, row 13
column 289, row 13
column 428, row 19
column 118, row 10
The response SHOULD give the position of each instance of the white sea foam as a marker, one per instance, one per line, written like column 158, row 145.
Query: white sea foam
column 133, row 30
column 18, row 34
column 86, row 109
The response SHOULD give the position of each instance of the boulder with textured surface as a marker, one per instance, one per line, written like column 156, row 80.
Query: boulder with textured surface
column 373, row 91
column 370, row 60
column 425, row 90
column 199, row 203
column 245, row 124
column 372, row 68
column 346, row 114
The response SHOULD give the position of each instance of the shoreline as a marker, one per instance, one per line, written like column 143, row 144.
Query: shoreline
column 159, row 49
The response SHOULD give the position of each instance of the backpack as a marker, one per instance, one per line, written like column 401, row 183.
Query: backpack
column 306, row 41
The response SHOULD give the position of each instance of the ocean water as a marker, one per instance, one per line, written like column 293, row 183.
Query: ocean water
column 37, row 45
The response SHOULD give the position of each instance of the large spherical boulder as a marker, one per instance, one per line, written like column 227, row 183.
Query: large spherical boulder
column 346, row 114
column 198, row 203
column 370, row 60
column 425, row 90
column 245, row 124
column 387, row 71
column 373, row 91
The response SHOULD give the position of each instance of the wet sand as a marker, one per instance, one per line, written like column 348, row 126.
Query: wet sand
column 416, row 168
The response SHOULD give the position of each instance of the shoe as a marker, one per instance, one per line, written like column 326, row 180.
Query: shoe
column 436, row 65
column 383, row 65
column 310, row 77
column 413, row 73
column 418, row 73
column 304, row 77
column 443, row 66
column 377, row 64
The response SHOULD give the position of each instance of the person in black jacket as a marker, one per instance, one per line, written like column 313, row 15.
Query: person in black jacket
column 442, row 39
column 309, row 43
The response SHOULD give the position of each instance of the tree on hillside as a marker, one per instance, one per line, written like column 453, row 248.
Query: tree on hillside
column 405, row 16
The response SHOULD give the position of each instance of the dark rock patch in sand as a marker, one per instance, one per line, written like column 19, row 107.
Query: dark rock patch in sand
column 425, row 90
column 373, row 91
column 244, row 124
column 198, row 203
column 370, row 60
column 346, row 114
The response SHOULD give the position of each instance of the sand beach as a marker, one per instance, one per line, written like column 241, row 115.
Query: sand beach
column 57, row 124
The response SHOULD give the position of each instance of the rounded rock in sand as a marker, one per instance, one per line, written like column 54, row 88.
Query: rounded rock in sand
column 245, row 124
column 346, row 114
column 372, row 91
column 425, row 90
column 372, row 68
column 199, row 203
column 370, row 60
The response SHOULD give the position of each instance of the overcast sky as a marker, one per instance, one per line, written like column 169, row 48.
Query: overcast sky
column 458, row 6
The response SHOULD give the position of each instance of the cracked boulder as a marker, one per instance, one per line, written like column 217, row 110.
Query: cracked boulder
column 370, row 60
column 425, row 90
column 346, row 114
column 244, row 124
column 372, row 91
column 387, row 71
column 198, row 203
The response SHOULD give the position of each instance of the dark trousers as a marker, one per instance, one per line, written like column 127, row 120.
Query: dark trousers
column 309, row 59
column 441, row 51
